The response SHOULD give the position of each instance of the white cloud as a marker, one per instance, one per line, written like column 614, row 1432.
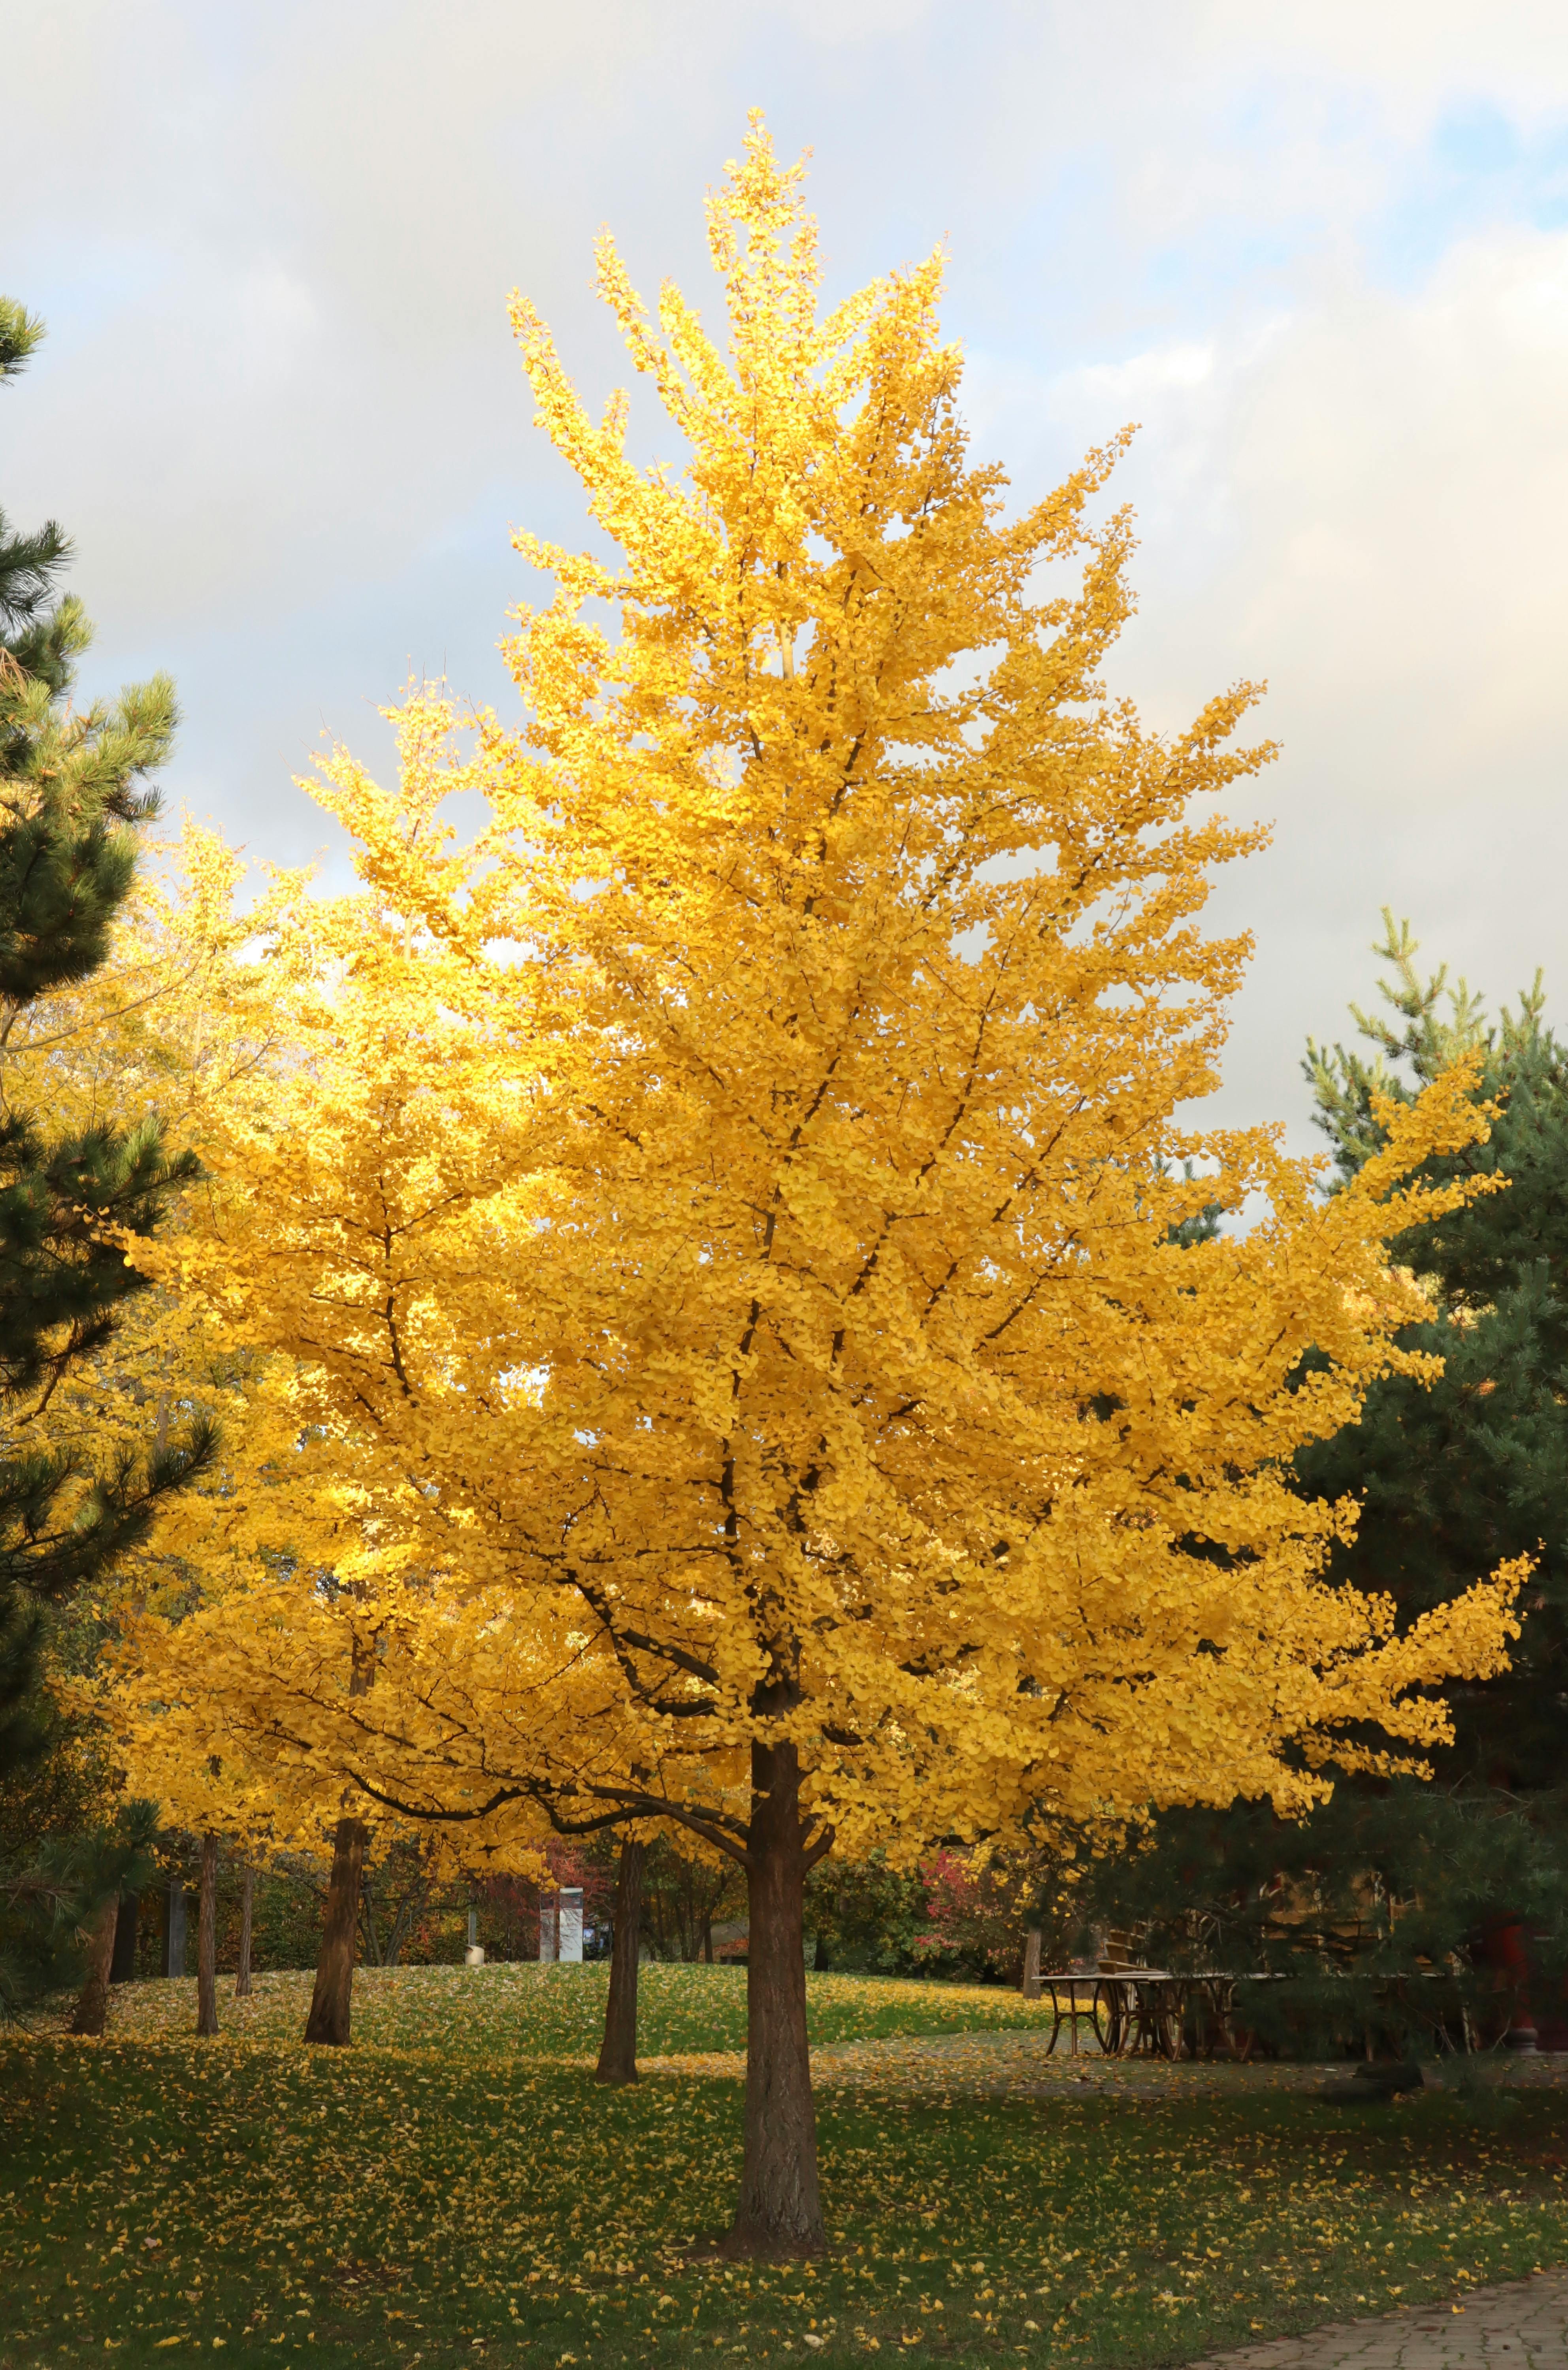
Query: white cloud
column 856, row 20
column 1364, row 501
column 280, row 413
column 1412, row 52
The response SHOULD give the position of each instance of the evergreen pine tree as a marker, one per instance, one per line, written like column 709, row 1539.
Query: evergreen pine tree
column 1395, row 1878
column 1477, row 1467
column 74, row 801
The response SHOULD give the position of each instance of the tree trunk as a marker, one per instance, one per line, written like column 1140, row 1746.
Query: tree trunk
column 780, row 2204
column 332, row 2000
column 246, row 1910
column 92, row 2008
column 403, row 1924
column 174, row 1927
column 122, row 1966
column 368, row 1912
column 207, row 1944
column 618, row 2058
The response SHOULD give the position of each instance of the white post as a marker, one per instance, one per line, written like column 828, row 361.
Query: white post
column 570, row 1932
column 548, row 1926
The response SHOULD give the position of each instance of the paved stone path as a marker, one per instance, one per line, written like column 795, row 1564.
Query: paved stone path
column 1521, row 2326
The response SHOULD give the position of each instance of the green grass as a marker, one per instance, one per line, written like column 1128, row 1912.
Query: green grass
column 249, row 2203
column 555, row 2011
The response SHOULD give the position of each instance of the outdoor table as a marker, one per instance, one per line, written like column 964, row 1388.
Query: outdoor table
column 1135, row 2011
column 1151, row 2012
column 1073, row 1996
column 1144, row 2011
column 1153, row 2008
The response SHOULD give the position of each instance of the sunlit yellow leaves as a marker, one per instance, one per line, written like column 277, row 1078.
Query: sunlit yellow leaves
column 714, row 1218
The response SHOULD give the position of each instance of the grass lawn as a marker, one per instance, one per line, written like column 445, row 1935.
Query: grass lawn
column 554, row 2011
column 444, row 2191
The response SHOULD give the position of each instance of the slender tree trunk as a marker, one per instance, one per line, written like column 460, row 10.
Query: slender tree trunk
column 618, row 2058
column 408, row 1910
column 92, row 2008
column 332, row 2001
column 246, row 1911
column 174, row 1927
column 207, row 1944
column 780, row 2204
column 122, row 1966
column 367, row 1911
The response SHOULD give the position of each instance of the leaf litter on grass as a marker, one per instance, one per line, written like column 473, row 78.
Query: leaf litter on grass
column 437, row 2196
column 558, row 2012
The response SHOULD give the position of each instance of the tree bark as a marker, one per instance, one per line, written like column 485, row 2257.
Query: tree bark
column 246, row 1913
column 780, row 2211
column 403, row 1924
column 122, row 1966
column 174, row 1927
column 332, row 2001
column 92, row 2008
column 207, row 1944
column 618, row 2058
column 367, row 1911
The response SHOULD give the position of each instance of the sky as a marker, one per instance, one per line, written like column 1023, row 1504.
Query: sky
column 1319, row 252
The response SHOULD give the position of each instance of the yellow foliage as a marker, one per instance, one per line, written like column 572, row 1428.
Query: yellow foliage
column 715, row 1219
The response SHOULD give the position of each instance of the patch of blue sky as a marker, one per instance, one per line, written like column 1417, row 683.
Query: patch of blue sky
column 1480, row 169
column 1091, row 258
column 1478, row 140
column 75, row 281
column 1264, row 188
column 1226, row 256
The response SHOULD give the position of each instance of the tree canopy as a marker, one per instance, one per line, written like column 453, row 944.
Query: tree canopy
column 727, row 1216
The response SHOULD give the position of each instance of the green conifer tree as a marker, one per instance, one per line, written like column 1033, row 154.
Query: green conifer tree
column 1395, row 1880
column 73, row 802
column 1454, row 1478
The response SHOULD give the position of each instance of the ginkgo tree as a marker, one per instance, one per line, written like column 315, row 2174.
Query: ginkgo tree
column 280, row 1591
column 721, row 1213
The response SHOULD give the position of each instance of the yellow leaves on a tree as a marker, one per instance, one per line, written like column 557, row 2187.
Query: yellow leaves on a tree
column 719, row 1215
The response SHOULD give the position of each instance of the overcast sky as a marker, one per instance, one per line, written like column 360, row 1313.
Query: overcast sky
column 1319, row 251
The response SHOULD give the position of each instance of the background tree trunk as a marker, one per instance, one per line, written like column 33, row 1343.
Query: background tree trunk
column 780, row 2211
column 367, row 1915
column 92, row 2008
column 618, row 2058
column 408, row 1910
column 207, row 1944
column 174, row 1927
column 246, row 1913
column 332, row 2001
column 122, row 1966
